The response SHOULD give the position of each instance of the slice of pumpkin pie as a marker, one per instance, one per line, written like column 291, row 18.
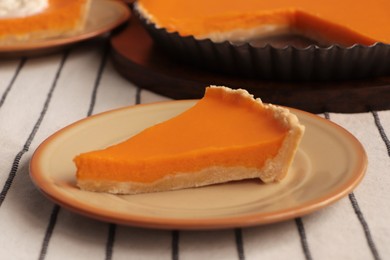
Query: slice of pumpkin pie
column 227, row 135
column 26, row 20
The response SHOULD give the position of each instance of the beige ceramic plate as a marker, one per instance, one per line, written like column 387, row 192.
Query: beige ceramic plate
column 104, row 15
column 329, row 164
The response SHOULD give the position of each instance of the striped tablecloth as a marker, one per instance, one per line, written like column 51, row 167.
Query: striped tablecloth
column 41, row 95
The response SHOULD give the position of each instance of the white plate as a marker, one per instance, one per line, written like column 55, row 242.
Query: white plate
column 330, row 162
column 103, row 16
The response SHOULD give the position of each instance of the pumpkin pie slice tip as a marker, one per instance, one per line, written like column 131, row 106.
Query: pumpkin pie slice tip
column 226, row 136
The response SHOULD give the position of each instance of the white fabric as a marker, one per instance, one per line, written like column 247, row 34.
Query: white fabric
column 334, row 232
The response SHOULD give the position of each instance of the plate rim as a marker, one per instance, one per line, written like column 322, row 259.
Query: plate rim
column 78, row 37
column 246, row 220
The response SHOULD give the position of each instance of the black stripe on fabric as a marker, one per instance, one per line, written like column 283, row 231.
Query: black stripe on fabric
column 26, row 146
column 175, row 244
column 302, row 235
column 49, row 232
column 110, row 241
column 56, row 208
column 381, row 131
column 239, row 243
column 11, row 83
column 364, row 224
column 327, row 116
column 98, row 78
column 354, row 202
column 138, row 96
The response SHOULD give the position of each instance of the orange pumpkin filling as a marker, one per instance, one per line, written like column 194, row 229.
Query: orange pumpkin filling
column 345, row 22
column 60, row 17
column 224, row 129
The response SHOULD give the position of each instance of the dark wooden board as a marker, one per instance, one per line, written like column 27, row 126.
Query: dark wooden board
column 135, row 56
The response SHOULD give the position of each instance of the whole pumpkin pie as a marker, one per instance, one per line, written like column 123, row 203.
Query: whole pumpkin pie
column 345, row 22
column 227, row 135
column 23, row 20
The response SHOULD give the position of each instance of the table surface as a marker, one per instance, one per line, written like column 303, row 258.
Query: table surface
column 41, row 95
